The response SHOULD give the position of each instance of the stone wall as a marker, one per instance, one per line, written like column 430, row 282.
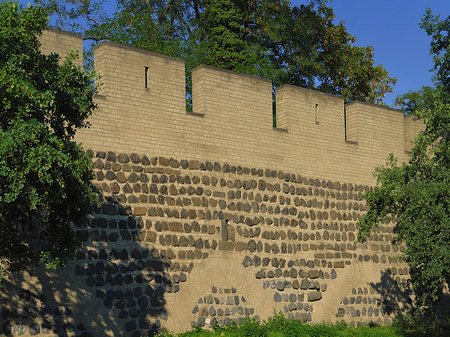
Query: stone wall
column 182, row 242
column 213, row 216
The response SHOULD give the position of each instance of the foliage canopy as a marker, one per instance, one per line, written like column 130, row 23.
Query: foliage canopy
column 44, row 175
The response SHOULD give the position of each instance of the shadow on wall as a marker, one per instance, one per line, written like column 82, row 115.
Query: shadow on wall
column 113, row 287
column 395, row 292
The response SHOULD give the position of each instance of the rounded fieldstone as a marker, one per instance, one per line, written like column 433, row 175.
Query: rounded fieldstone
column 108, row 303
column 174, row 163
column 304, row 284
column 110, row 294
column 137, row 292
column 118, row 280
column 113, row 236
column 157, row 301
column 133, row 178
column 100, row 175
column 119, row 304
column 111, row 268
column 19, row 329
column 116, row 167
column 114, row 187
column 158, row 278
column 133, row 312
column 280, row 286
column 259, row 274
column 312, row 285
column 110, row 156
column 314, row 296
column 99, row 281
column 251, row 246
column 148, row 291
column 130, row 303
column 293, row 297
column 136, row 159
column 123, row 158
column 110, row 175
column 144, row 324
column 125, row 235
column 333, row 274
column 247, row 261
column 143, row 302
column 159, row 291
column 130, row 326
column 100, row 293
column 277, row 297
column 128, row 293
column 293, row 273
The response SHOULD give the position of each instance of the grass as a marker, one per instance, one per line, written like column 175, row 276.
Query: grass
column 279, row 326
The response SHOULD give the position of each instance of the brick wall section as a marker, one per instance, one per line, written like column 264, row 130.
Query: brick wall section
column 142, row 119
column 351, row 123
column 380, row 131
column 412, row 128
column 61, row 42
column 232, row 119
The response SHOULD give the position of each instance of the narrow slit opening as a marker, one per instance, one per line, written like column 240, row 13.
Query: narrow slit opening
column 146, row 77
column 345, row 123
column 317, row 113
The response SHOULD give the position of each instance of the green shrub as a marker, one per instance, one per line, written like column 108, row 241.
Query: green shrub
column 418, row 324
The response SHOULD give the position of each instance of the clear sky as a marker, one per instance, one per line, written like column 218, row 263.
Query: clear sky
column 392, row 28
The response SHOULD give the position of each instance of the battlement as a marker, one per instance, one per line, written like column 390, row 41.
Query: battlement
column 61, row 42
column 142, row 109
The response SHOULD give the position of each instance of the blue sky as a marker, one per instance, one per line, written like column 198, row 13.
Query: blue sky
column 392, row 28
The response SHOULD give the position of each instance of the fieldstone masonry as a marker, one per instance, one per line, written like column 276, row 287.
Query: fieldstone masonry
column 192, row 233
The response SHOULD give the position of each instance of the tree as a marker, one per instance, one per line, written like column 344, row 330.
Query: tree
column 416, row 195
column 225, row 44
column 439, row 30
column 271, row 39
column 44, row 175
